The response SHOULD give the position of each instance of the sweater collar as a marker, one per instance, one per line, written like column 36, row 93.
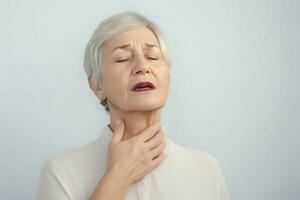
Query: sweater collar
column 107, row 136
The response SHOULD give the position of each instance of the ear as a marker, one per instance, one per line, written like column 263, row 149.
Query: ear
column 96, row 90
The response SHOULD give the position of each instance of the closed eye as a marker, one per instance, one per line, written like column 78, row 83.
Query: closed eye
column 122, row 60
column 152, row 58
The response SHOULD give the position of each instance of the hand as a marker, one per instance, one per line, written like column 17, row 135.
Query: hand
column 137, row 156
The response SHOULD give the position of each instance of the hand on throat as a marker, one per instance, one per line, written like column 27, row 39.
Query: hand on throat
column 134, row 122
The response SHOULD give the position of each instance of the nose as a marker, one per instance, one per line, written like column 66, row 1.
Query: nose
column 140, row 65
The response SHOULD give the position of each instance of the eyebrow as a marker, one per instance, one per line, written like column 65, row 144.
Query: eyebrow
column 128, row 46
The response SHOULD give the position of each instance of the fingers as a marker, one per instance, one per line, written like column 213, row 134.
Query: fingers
column 155, row 162
column 157, row 151
column 148, row 133
column 153, row 154
column 156, row 140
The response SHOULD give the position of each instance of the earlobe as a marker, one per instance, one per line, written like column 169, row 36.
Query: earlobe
column 99, row 93
column 96, row 90
column 90, row 82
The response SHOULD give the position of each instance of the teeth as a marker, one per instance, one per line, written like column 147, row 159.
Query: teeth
column 142, row 88
column 145, row 87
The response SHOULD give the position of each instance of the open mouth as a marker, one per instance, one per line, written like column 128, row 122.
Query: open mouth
column 143, row 86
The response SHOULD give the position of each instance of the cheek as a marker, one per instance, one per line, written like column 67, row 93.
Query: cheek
column 164, row 78
column 115, row 84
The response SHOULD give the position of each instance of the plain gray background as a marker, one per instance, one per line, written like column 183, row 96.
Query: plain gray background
column 234, row 87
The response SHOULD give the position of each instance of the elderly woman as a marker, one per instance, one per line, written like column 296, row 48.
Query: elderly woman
column 127, row 66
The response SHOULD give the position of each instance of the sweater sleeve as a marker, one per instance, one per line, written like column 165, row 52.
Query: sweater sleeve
column 50, row 185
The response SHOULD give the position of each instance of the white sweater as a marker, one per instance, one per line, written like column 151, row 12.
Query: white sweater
column 185, row 174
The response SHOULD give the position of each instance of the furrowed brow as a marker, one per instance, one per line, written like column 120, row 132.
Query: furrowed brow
column 151, row 46
column 125, row 46
column 128, row 46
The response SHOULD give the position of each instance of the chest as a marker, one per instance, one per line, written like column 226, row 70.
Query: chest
column 179, row 185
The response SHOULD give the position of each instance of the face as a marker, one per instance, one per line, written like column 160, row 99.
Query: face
column 131, row 57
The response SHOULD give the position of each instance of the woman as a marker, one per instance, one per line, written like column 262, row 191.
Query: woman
column 127, row 66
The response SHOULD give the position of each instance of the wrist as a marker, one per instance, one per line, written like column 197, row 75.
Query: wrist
column 118, row 178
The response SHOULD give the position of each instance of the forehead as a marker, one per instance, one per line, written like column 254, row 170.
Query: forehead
column 140, row 35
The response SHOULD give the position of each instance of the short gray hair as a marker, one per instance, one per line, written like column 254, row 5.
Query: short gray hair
column 109, row 28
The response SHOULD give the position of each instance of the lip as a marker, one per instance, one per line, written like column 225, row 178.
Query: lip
column 142, row 84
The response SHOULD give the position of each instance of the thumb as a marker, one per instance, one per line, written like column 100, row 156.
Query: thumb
column 118, row 132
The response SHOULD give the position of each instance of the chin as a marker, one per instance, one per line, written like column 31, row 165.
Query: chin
column 145, row 107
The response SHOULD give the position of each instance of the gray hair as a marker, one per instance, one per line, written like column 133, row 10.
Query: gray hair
column 109, row 28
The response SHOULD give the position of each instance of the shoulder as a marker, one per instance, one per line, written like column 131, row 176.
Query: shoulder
column 199, row 154
column 73, row 158
column 201, row 159
column 60, row 172
column 205, row 156
column 216, row 171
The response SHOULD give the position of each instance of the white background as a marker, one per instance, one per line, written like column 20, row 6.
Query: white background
column 234, row 87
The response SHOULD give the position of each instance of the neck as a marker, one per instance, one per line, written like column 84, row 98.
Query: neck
column 134, row 122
